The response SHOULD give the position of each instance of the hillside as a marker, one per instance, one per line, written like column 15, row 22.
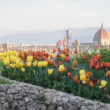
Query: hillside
column 82, row 34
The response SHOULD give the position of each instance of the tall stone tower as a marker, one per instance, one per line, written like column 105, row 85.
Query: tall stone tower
column 68, row 39
column 77, row 44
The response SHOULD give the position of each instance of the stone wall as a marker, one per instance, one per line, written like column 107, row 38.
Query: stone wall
column 22, row 96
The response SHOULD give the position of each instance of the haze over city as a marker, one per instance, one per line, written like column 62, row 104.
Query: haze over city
column 50, row 18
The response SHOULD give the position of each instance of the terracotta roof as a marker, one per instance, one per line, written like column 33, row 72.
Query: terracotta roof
column 102, row 33
column 60, row 42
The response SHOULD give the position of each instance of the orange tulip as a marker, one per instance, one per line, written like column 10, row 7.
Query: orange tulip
column 107, row 74
column 98, row 56
column 97, row 67
column 75, row 79
column 91, row 84
column 75, row 63
column 69, row 75
column 73, row 67
column 88, row 75
column 78, row 81
column 87, row 81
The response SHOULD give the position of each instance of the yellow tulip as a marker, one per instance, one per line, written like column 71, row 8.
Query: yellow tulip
column 35, row 63
column 40, row 64
column 6, row 62
column 61, row 68
column 21, row 64
column 50, row 71
column 28, row 64
column 45, row 63
column 17, row 64
column 53, row 55
column 13, row 58
column 82, row 77
column 103, row 83
column 82, row 72
column 63, row 56
column 6, row 57
column 1, row 58
column 18, row 59
column 1, row 55
column 5, row 54
column 12, row 65
column 16, row 54
column 29, row 58
column 23, row 69
column 49, row 57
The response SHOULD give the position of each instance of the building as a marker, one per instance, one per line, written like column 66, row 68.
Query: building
column 7, row 46
column 26, row 47
column 60, row 43
column 66, row 42
column 68, row 39
column 37, row 47
column 1, row 48
column 81, row 46
column 102, row 37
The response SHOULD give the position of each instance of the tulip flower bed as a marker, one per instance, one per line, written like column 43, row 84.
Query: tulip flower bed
column 86, row 76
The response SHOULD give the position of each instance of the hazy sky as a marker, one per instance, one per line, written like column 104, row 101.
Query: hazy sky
column 23, row 15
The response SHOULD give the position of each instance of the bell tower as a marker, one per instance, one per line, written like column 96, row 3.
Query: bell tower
column 68, row 39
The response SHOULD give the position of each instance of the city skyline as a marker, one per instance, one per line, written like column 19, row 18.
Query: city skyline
column 26, row 15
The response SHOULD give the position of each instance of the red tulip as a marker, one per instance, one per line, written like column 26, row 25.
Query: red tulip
column 69, row 75
column 54, row 50
column 54, row 64
column 106, row 69
column 84, row 57
column 95, row 80
column 60, row 63
column 75, row 51
column 73, row 67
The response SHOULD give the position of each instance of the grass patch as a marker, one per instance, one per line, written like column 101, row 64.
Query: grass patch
column 4, row 82
column 42, row 98
column 1, row 66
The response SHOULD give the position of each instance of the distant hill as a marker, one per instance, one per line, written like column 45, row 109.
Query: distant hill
column 82, row 34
